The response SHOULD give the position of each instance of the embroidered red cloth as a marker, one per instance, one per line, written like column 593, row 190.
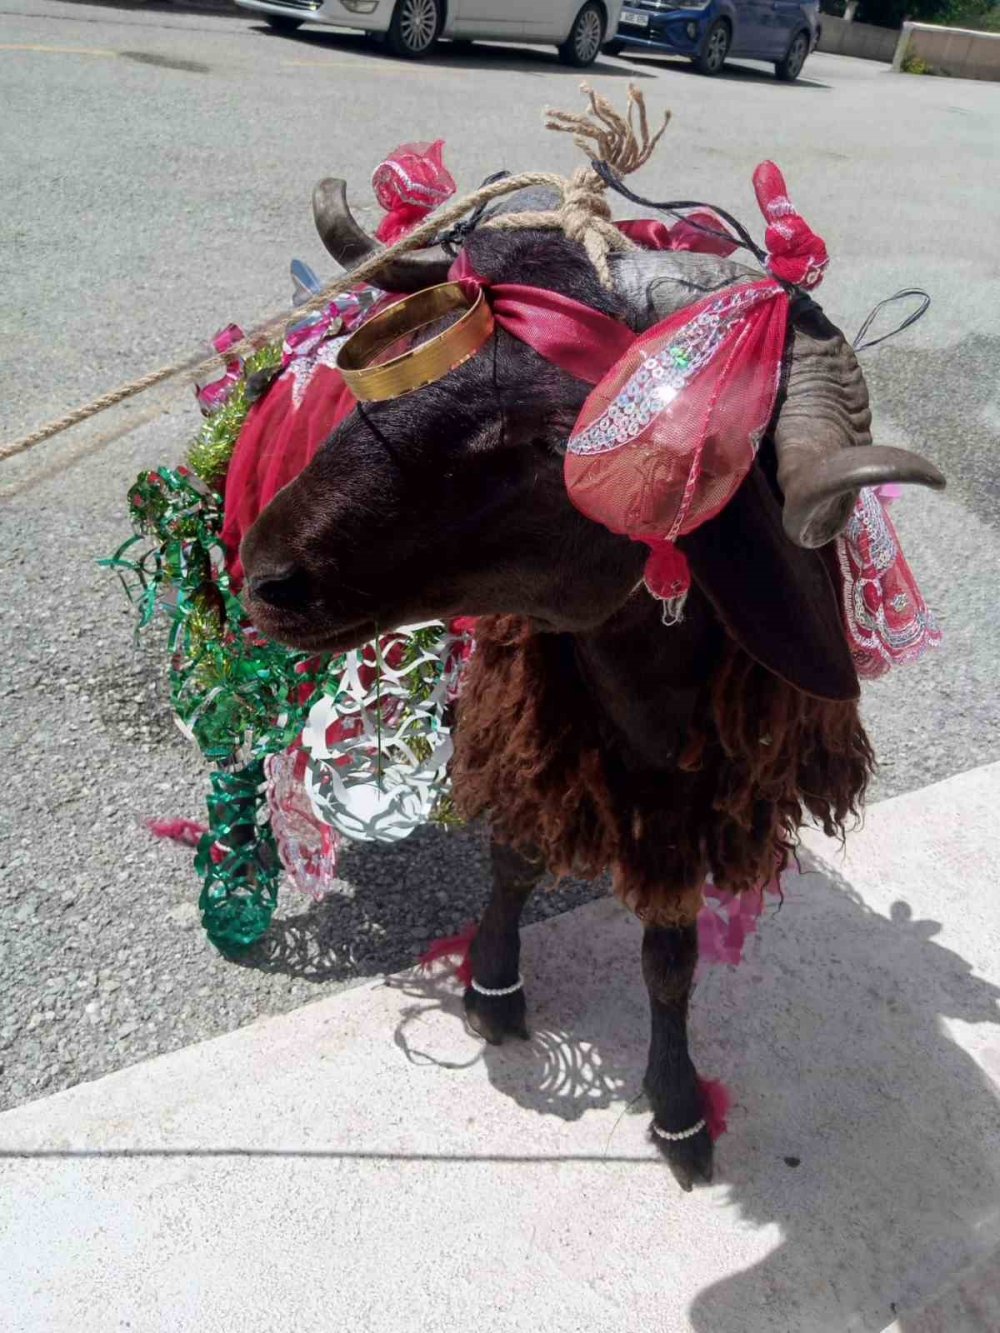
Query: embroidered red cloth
column 795, row 253
column 887, row 620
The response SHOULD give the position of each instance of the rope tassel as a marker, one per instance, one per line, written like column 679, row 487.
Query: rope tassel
column 621, row 147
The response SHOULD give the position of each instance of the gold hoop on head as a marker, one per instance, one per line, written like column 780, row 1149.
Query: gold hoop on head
column 372, row 381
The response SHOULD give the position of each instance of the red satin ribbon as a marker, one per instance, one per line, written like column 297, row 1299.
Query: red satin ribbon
column 573, row 336
column 567, row 333
column 691, row 233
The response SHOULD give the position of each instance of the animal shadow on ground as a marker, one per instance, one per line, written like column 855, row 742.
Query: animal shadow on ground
column 860, row 1129
column 395, row 899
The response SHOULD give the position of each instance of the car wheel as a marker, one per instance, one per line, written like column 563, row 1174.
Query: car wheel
column 586, row 37
column 789, row 69
column 414, row 28
column 613, row 48
column 280, row 24
column 712, row 55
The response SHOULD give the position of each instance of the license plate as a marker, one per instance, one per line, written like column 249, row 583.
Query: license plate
column 628, row 20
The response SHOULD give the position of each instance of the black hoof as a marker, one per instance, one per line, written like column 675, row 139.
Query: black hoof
column 690, row 1160
column 494, row 1017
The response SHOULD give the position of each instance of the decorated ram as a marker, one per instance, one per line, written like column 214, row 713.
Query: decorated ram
column 630, row 459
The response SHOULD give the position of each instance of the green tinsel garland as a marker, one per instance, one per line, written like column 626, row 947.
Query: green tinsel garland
column 210, row 452
column 240, row 696
column 237, row 694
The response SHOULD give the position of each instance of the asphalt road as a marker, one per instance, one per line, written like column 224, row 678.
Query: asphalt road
column 156, row 172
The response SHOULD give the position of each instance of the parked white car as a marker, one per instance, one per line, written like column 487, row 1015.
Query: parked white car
column 578, row 28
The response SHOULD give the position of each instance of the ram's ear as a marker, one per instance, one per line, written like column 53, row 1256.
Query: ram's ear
column 779, row 601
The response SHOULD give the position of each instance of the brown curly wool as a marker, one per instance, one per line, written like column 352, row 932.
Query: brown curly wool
column 759, row 755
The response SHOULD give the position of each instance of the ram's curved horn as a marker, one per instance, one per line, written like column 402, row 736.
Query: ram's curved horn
column 822, row 435
column 657, row 283
column 349, row 244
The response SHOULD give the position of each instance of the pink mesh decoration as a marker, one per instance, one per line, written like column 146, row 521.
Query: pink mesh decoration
column 887, row 621
column 214, row 395
column 408, row 184
column 665, row 439
column 726, row 921
column 307, row 847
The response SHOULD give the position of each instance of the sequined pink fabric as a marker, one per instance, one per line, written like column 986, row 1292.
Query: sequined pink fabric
column 667, row 436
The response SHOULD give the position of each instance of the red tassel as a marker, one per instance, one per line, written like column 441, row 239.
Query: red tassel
column 185, row 831
column 455, row 947
column 668, row 577
column 715, row 1104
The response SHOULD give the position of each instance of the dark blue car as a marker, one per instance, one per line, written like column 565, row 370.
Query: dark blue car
column 782, row 32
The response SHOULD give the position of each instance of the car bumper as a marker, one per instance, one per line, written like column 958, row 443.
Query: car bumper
column 680, row 31
column 335, row 12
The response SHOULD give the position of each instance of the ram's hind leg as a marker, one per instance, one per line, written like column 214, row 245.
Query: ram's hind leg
column 494, row 1003
column 669, row 955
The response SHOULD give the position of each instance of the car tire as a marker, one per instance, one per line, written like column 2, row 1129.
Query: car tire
column 280, row 24
column 586, row 37
column 712, row 55
column 789, row 69
column 613, row 48
column 414, row 28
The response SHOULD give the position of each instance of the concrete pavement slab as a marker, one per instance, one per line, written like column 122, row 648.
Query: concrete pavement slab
column 365, row 1163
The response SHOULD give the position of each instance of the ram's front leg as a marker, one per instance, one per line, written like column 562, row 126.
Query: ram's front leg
column 669, row 955
column 494, row 1003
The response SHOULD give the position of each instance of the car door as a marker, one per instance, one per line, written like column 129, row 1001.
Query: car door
column 492, row 18
column 787, row 19
column 750, row 27
column 776, row 23
column 549, row 20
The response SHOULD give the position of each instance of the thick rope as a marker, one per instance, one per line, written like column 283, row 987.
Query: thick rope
column 276, row 324
column 584, row 215
column 92, row 408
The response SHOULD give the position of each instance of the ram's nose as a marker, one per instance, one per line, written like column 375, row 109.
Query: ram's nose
column 281, row 586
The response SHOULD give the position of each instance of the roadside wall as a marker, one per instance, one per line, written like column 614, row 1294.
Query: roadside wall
column 956, row 51
column 864, row 40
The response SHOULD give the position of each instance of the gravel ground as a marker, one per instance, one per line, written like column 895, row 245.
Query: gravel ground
column 119, row 258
